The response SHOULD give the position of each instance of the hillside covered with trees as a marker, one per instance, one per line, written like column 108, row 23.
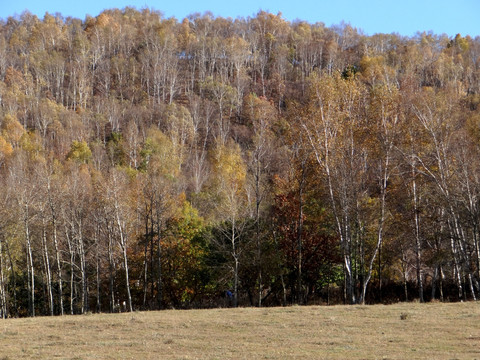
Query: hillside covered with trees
column 149, row 163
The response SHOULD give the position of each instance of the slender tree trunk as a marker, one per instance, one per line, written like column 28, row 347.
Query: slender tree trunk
column 257, row 232
column 3, row 297
column 152, row 257
column 342, row 223
column 299, row 236
column 55, row 244
column 361, row 242
column 383, row 185
column 418, row 245
column 457, row 274
column 97, row 268
column 380, row 272
column 441, row 283
column 123, row 246
column 477, row 254
column 159, row 263
column 465, row 259
column 30, row 266
column 59, row 263
column 111, row 271
column 236, row 264
column 235, row 284
column 370, row 267
column 48, row 273
column 472, row 289
column 72, row 268
column 356, row 255
column 83, row 270
column 127, row 279
column 145, row 259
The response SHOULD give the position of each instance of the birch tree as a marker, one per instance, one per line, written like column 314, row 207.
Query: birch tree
column 261, row 115
column 331, row 124
column 230, row 171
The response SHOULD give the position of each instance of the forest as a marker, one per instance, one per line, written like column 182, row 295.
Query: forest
column 150, row 163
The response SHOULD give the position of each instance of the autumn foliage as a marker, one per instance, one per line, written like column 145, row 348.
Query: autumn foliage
column 149, row 163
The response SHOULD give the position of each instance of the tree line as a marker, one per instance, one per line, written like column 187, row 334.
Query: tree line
column 148, row 162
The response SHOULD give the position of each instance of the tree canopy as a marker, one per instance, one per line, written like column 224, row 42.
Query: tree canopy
column 148, row 162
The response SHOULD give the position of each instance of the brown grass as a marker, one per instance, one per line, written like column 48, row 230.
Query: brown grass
column 401, row 331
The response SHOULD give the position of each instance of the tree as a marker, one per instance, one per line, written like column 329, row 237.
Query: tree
column 261, row 115
column 162, row 160
column 159, row 162
column 385, row 120
column 332, row 124
column 25, row 195
column 75, row 219
column 79, row 151
column 433, row 114
column 224, row 96
column 230, row 175
column 183, row 261
column 122, row 210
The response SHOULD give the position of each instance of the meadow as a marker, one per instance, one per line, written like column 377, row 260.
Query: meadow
column 399, row 331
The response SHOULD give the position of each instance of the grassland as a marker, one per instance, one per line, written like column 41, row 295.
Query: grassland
column 401, row 331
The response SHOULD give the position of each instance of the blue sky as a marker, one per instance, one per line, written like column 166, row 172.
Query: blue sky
column 405, row 17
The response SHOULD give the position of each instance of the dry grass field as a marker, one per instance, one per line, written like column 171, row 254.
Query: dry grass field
column 401, row 331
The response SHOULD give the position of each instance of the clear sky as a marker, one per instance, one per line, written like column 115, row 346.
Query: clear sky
column 405, row 17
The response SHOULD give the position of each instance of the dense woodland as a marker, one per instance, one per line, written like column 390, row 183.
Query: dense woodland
column 151, row 163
